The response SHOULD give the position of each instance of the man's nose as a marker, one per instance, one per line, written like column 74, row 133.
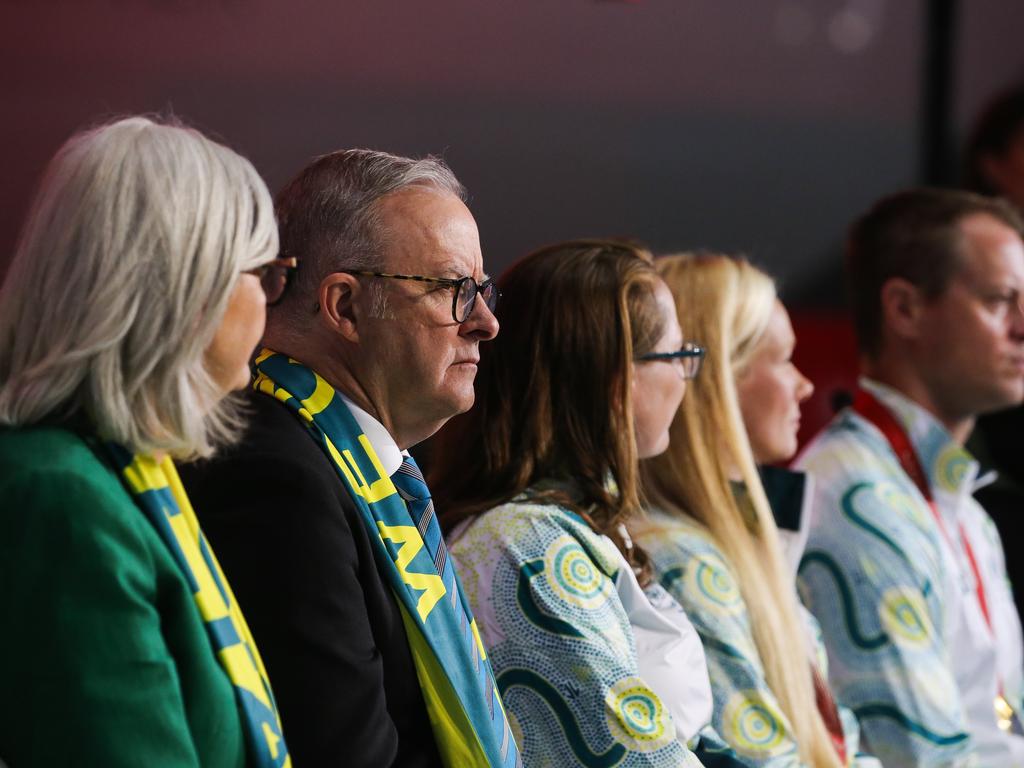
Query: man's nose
column 1017, row 320
column 481, row 323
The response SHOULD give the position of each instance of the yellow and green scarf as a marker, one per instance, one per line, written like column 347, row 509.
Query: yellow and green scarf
column 465, row 710
column 158, row 492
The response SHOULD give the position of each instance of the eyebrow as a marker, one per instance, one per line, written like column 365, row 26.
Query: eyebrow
column 450, row 269
column 999, row 286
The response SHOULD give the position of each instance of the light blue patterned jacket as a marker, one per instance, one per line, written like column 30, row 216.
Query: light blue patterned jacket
column 542, row 587
column 747, row 714
column 909, row 649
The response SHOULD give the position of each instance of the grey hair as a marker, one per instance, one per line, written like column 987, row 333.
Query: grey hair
column 122, row 275
column 328, row 215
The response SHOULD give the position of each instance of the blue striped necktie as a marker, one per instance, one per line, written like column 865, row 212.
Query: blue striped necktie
column 411, row 486
column 413, row 489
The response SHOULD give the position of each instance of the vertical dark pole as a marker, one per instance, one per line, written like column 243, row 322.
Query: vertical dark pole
column 938, row 153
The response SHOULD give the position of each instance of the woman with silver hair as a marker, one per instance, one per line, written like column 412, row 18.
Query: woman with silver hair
column 129, row 314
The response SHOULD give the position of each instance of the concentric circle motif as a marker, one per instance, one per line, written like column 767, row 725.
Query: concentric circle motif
column 891, row 496
column 753, row 727
column 904, row 616
column 573, row 575
column 709, row 582
column 636, row 717
column 951, row 466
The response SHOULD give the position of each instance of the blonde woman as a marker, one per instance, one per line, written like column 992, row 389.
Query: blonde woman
column 712, row 536
column 129, row 313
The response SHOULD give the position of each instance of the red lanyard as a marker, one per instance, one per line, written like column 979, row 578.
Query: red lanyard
column 829, row 712
column 867, row 405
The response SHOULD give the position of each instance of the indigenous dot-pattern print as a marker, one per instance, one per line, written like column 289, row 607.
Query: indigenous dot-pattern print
column 572, row 575
column 707, row 582
column 755, row 726
column 747, row 714
column 636, row 717
column 541, row 584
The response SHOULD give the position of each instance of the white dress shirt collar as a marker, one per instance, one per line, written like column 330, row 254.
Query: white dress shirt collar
column 383, row 443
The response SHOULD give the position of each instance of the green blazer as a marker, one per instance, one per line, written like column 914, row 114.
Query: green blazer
column 104, row 659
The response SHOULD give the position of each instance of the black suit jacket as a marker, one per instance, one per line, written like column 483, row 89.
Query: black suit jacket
column 328, row 627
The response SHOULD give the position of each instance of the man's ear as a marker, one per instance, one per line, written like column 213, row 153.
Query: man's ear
column 903, row 306
column 339, row 305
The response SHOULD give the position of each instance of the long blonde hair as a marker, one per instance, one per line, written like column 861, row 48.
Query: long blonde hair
column 725, row 304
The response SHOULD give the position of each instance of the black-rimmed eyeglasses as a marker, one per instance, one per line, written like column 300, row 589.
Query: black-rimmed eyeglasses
column 690, row 358
column 465, row 290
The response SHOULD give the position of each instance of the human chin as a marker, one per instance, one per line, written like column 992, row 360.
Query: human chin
column 790, row 439
column 779, row 447
column 1009, row 394
column 787, row 448
column 460, row 395
column 1013, row 371
column 654, row 447
column 243, row 378
column 228, row 375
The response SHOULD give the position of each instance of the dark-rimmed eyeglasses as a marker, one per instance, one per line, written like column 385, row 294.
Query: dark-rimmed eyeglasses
column 690, row 358
column 275, row 277
column 465, row 290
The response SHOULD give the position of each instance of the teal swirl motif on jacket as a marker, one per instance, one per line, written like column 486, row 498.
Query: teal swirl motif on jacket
column 573, row 734
column 857, row 635
column 876, row 575
column 530, row 609
column 747, row 714
column 542, row 587
column 886, row 711
column 891, row 496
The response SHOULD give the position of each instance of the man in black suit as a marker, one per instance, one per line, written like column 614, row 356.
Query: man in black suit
column 383, row 306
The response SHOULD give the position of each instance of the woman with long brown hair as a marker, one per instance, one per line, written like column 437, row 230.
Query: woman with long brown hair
column 712, row 534
column 535, row 485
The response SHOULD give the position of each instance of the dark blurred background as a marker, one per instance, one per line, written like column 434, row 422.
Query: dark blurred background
column 760, row 127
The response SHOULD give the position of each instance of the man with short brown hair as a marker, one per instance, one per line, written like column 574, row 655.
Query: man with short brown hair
column 903, row 568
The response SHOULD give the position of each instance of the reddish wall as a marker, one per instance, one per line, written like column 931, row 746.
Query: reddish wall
column 826, row 353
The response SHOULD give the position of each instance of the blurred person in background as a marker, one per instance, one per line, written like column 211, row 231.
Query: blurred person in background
column 128, row 315
column 994, row 166
column 994, row 155
column 904, row 569
column 536, row 485
column 713, row 532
